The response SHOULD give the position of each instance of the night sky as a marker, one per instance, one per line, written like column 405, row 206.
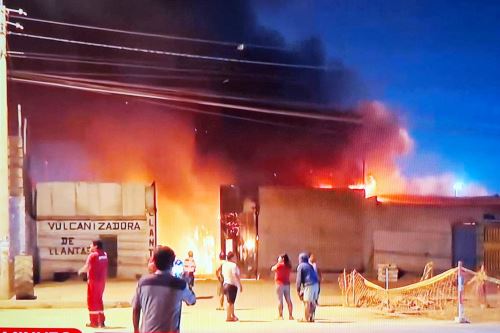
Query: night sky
column 435, row 61
column 433, row 64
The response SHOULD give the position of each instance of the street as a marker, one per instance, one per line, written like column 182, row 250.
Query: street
column 63, row 305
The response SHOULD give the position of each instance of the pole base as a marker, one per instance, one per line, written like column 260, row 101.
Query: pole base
column 462, row 320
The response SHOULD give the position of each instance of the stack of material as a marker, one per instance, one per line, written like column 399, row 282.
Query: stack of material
column 393, row 272
column 23, row 277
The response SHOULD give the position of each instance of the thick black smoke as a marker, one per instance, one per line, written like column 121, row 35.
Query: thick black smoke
column 280, row 151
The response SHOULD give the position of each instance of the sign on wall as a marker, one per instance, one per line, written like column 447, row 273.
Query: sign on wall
column 57, row 239
column 151, row 233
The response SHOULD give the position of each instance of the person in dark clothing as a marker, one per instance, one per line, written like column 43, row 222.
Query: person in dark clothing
column 307, row 287
column 314, row 264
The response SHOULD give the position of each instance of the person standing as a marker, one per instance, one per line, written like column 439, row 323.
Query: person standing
column 282, row 271
column 232, row 284
column 189, row 269
column 307, row 287
column 314, row 264
column 159, row 297
column 220, row 278
column 96, row 267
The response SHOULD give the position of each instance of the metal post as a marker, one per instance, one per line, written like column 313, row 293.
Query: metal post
column 460, row 295
column 387, row 286
column 387, row 278
column 353, row 287
column 345, row 288
column 4, row 176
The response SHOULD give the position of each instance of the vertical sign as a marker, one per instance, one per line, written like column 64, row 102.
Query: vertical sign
column 151, row 218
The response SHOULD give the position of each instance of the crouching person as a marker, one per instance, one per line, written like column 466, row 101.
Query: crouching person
column 159, row 297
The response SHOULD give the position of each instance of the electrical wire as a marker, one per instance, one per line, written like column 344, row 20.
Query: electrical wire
column 252, row 120
column 178, row 91
column 132, row 75
column 166, row 53
column 102, row 62
column 41, row 80
column 145, row 34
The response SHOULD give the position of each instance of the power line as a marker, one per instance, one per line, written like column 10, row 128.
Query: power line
column 166, row 53
column 170, row 90
column 134, row 75
column 192, row 110
column 218, row 114
column 145, row 34
column 50, row 57
column 103, row 89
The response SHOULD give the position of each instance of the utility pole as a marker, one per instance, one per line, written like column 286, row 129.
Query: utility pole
column 5, row 278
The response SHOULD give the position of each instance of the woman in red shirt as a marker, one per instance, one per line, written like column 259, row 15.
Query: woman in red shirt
column 282, row 271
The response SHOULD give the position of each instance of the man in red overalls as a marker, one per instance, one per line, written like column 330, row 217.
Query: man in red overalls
column 96, row 268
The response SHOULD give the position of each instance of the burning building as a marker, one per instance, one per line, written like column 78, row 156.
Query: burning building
column 346, row 230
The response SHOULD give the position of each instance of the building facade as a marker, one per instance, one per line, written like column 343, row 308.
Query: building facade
column 70, row 215
column 348, row 231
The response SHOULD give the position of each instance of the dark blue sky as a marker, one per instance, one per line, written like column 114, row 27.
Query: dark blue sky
column 435, row 61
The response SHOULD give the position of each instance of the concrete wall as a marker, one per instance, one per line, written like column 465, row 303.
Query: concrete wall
column 346, row 230
column 411, row 235
column 72, row 214
column 326, row 222
column 81, row 199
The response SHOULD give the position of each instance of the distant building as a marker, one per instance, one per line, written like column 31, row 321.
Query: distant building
column 347, row 230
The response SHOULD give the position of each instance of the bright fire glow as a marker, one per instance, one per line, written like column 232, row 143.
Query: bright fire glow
column 370, row 187
column 323, row 185
column 203, row 246
column 250, row 244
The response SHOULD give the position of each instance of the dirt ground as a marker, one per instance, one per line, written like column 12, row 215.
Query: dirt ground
column 62, row 304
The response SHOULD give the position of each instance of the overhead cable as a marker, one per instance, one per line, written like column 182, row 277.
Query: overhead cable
column 175, row 90
column 127, row 92
column 50, row 57
column 167, row 53
column 145, row 34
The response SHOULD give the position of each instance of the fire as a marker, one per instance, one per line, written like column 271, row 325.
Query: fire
column 250, row 244
column 370, row 187
column 145, row 144
column 203, row 246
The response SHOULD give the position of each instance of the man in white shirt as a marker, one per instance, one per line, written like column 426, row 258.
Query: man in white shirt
column 220, row 278
column 232, row 283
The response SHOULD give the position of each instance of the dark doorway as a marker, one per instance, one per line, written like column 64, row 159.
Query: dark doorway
column 110, row 245
column 464, row 245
